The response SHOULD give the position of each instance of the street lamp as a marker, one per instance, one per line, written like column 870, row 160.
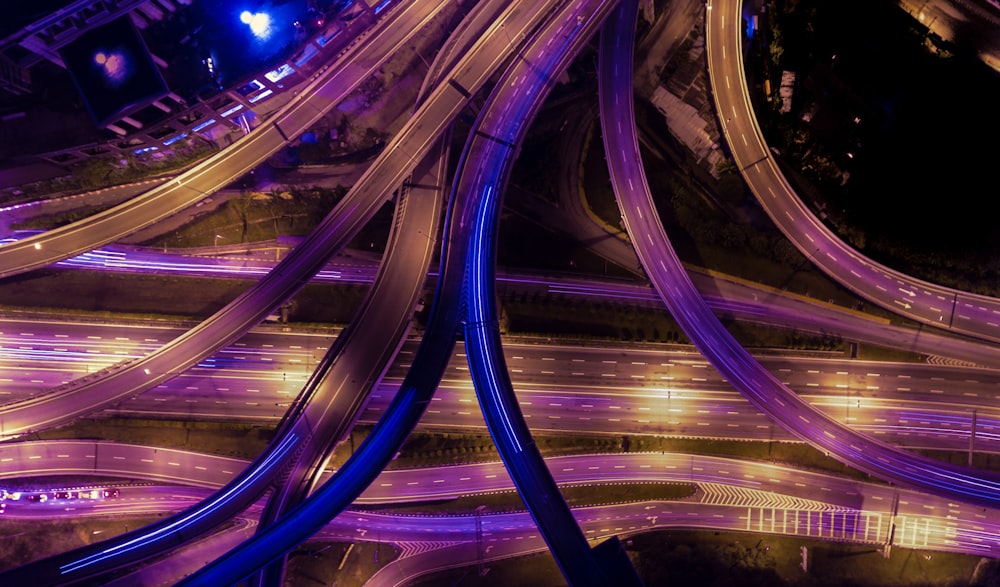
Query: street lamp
column 851, row 395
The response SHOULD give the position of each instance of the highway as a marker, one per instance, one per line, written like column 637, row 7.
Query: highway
column 561, row 387
column 732, row 494
column 396, row 485
column 338, row 227
column 254, row 304
column 552, row 519
column 328, row 88
column 489, row 153
column 669, row 277
column 729, row 297
column 276, row 538
column 409, row 402
column 389, row 170
column 364, row 350
column 290, row 273
column 928, row 303
column 402, row 271
column 150, row 371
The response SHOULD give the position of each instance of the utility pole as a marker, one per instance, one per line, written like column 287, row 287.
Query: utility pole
column 972, row 437
column 480, row 553
column 892, row 525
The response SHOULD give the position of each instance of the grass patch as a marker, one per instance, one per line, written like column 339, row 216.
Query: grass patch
column 100, row 172
column 94, row 291
column 423, row 449
column 868, row 352
column 571, row 316
column 547, row 314
column 533, row 570
column 981, row 461
column 253, row 217
column 596, row 181
column 50, row 221
column 428, row 449
column 236, row 440
column 532, row 169
column 755, row 336
column 791, row 453
column 166, row 295
column 523, row 243
column 257, row 217
column 588, row 495
column 510, row 501
column 687, row 558
column 345, row 564
column 678, row 557
column 27, row 540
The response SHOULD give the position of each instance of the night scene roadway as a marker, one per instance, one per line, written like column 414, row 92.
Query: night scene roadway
column 731, row 494
column 861, row 413
column 363, row 351
column 327, row 89
column 241, row 314
column 525, row 85
column 763, row 305
column 561, row 388
column 403, row 269
column 935, row 305
column 411, row 398
column 736, row 298
column 755, row 382
column 386, row 173
column 374, row 188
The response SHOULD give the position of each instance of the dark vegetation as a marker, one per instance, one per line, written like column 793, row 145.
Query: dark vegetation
column 685, row 558
column 884, row 135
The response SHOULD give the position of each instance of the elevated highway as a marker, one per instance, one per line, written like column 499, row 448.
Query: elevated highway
column 928, row 303
column 390, row 169
column 126, row 380
column 670, row 279
column 731, row 494
column 413, row 157
column 569, row 547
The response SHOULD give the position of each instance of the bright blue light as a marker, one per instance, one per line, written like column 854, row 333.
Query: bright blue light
column 174, row 139
column 261, row 96
column 203, row 125
column 235, row 108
